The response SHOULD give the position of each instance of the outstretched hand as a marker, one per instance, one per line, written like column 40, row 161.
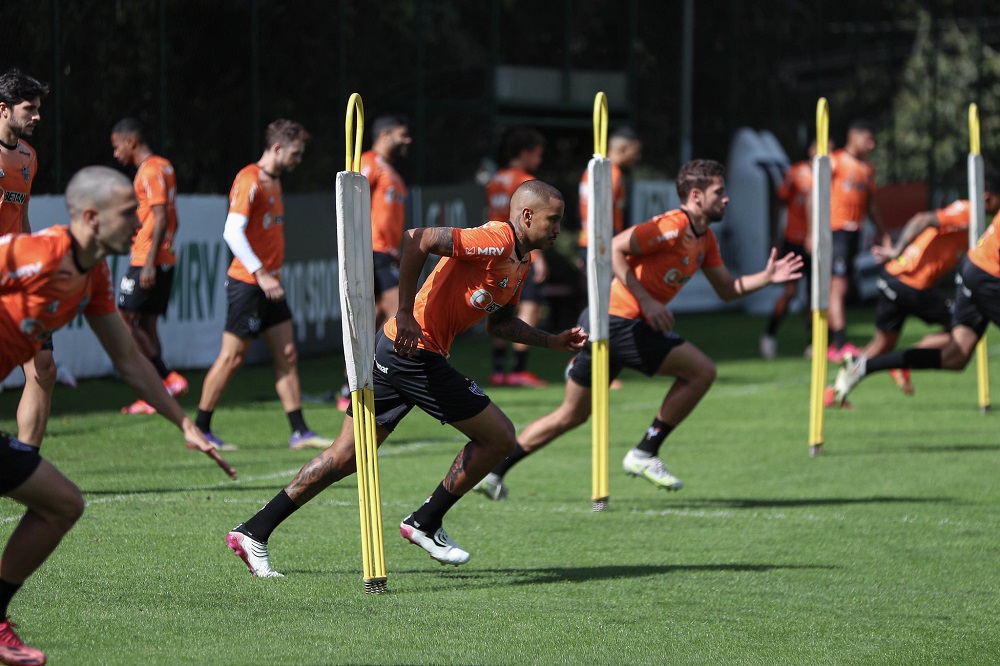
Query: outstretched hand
column 786, row 269
column 195, row 440
column 570, row 340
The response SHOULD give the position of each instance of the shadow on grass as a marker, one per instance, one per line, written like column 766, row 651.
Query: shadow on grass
column 778, row 503
column 483, row 578
column 925, row 448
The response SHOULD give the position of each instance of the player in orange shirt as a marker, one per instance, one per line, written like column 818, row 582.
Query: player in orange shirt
column 929, row 247
column 46, row 280
column 20, row 99
column 651, row 263
column 145, row 287
column 624, row 152
column 390, row 142
column 852, row 198
column 794, row 191
column 255, row 298
column 524, row 149
column 481, row 275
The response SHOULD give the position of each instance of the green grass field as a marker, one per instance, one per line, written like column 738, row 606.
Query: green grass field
column 881, row 551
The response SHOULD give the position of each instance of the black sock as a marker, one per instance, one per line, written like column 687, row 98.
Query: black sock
column 915, row 359
column 520, row 361
column 838, row 337
column 204, row 420
column 515, row 457
column 297, row 421
column 429, row 516
column 772, row 326
column 7, row 592
column 161, row 369
column 500, row 360
column 655, row 435
column 267, row 519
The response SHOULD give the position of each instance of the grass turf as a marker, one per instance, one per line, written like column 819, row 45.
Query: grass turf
column 883, row 550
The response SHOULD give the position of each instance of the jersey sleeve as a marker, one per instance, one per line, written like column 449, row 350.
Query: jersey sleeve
column 25, row 259
column 241, row 196
column 154, row 185
column 713, row 258
column 954, row 217
column 487, row 242
column 654, row 234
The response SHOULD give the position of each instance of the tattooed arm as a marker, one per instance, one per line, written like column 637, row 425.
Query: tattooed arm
column 419, row 243
column 503, row 324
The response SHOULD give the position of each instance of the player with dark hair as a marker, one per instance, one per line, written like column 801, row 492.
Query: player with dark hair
column 624, row 152
column 976, row 304
column 20, row 100
column 411, row 367
column 256, row 305
column 390, row 143
column 852, row 198
column 145, row 288
column 651, row 263
column 795, row 189
column 523, row 149
column 46, row 280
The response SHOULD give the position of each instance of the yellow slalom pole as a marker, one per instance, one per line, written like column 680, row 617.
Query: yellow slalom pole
column 977, row 225
column 599, row 226
column 354, row 244
column 822, row 242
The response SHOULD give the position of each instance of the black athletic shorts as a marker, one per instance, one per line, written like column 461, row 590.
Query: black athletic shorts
column 18, row 462
column 133, row 298
column 799, row 249
column 977, row 298
column 249, row 312
column 632, row 343
column 898, row 300
column 386, row 272
column 425, row 380
column 844, row 250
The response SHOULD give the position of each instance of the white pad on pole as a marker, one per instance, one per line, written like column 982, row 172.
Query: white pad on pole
column 600, row 223
column 977, row 207
column 822, row 236
column 357, row 288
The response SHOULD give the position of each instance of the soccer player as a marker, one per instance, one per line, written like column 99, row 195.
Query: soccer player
column 795, row 189
column 523, row 150
column 976, row 304
column 480, row 275
column 20, row 100
column 624, row 152
column 46, row 279
column 256, row 306
column 651, row 263
column 145, row 287
column 852, row 197
column 390, row 143
column 930, row 245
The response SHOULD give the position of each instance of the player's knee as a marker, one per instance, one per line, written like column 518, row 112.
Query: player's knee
column 290, row 355
column 705, row 375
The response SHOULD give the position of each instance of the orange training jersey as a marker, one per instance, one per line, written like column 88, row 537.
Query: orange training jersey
column 501, row 188
column 936, row 250
column 42, row 289
column 155, row 185
column 986, row 254
column 388, row 202
column 852, row 185
column 794, row 191
column 483, row 274
column 670, row 254
column 618, row 195
column 17, row 169
column 258, row 196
